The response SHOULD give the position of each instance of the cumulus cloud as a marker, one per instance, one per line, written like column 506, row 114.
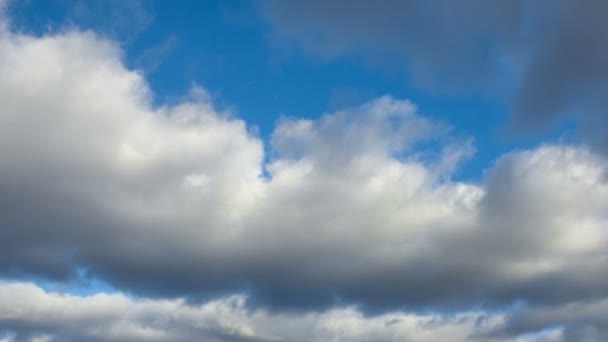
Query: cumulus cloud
column 549, row 56
column 354, row 208
column 27, row 313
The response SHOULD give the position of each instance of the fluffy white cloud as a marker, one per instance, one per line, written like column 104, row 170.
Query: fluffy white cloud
column 178, row 200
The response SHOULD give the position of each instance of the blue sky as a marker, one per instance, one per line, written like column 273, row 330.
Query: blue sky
column 303, row 170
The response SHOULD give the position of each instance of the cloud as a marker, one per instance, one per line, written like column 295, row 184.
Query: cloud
column 27, row 313
column 152, row 58
column 436, row 39
column 575, row 321
column 549, row 56
column 356, row 208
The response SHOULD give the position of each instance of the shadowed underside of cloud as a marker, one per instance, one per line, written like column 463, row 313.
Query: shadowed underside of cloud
column 551, row 56
column 356, row 208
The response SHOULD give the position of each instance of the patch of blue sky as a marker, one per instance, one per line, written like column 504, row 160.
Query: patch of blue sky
column 83, row 283
column 544, row 333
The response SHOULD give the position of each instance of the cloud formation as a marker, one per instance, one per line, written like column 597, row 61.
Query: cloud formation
column 549, row 56
column 27, row 313
column 354, row 209
column 575, row 321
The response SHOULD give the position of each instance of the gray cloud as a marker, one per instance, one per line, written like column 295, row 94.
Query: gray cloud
column 177, row 201
column 574, row 321
column 442, row 41
column 549, row 56
column 29, row 314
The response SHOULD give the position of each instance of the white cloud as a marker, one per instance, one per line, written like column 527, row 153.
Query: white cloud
column 25, row 308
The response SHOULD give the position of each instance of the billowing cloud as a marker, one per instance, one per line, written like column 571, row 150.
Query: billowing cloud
column 354, row 209
column 27, row 313
column 549, row 56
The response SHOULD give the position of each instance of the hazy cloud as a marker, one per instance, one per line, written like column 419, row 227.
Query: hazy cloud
column 575, row 321
column 28, row 313
column 150, row 59
column 548, row 58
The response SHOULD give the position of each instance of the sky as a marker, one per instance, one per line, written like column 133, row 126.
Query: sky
column 303, row 170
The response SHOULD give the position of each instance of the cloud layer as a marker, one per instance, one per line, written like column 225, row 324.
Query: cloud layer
column 354, row 209
column 28, row 313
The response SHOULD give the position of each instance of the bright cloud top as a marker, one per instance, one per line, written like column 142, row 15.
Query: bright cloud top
column 356, row 209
